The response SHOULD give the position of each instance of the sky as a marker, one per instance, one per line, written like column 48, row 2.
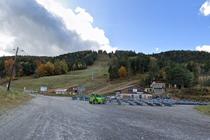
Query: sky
column 53, row 27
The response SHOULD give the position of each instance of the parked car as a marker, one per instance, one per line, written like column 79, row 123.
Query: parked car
column 97, row 99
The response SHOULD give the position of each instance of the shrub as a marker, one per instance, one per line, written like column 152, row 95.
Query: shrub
column 207, row 82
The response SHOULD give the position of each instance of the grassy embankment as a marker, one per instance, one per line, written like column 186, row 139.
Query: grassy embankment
column 195, row 94
column 99, row 84
column 11, row 99
column 204, row 109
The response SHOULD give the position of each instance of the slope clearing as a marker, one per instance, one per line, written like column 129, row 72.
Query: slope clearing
column 94, row 79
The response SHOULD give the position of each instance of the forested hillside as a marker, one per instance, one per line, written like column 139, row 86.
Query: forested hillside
column 184, row 56
column 182, row 68
column 46, row 66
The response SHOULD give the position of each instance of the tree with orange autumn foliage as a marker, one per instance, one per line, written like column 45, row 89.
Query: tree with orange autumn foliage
column 8, row 66
column 123, row 72
column 47, row 69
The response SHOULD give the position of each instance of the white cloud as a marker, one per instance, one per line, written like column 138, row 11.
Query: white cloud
column 205, row 8
column 5, row 41
column 80, row 21
column 157, row 49
column 46, row 27
column 3, row 53
column 205, row 48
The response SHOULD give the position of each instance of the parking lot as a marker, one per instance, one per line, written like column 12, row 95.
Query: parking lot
column 144, row 102
column 61, row 118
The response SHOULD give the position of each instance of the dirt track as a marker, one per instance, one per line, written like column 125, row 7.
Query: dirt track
column 57, row 118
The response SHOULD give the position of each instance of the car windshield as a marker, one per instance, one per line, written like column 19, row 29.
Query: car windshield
column 99, row 96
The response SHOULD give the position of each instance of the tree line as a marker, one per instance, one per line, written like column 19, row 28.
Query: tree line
column 180, row 68
column 47, row 66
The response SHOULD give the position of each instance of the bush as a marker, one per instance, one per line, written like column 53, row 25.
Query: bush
column 113, row 72
column 180, row 76
column 47, row 69
column 195, row 92
column 146, row 81
column 123, row 72
column 207, row 82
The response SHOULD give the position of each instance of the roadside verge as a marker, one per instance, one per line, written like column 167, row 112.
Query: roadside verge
column 204, row 109
column 12, row 99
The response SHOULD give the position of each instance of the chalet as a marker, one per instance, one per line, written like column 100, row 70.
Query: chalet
column 61, row 91
column 73, row 89
column 158, row 87
column 133, row 91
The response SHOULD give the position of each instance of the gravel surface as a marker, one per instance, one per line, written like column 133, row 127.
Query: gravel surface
column 58, row 118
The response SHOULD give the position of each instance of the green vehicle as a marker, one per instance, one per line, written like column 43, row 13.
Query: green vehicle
column 97, row 99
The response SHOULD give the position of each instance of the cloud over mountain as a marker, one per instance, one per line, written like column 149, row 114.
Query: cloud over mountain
column 205, row 48
column 46, row 27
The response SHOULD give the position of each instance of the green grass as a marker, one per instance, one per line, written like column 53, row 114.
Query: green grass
column 73, row 78
column 11, row 99
column 100, row 84
column 204, row 109
column 195, row 94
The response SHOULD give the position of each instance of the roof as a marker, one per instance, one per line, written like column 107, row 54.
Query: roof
column 130, row 86
column 157, row 85
column 61, row 90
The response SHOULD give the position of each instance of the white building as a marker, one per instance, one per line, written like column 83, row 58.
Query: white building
column 61, row 91
column 146, row 96
column 130, row 92
column 158, row 87
column 43, row 89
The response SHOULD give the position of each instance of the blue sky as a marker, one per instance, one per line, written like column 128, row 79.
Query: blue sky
column 144, row 25
column 62, row 26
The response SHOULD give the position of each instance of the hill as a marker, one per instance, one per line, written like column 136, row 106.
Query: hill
column 98, row 71
column 28, row 65
column 184, row 56
column 95, row 76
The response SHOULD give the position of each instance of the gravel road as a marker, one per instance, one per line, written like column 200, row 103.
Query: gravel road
column 58, row 118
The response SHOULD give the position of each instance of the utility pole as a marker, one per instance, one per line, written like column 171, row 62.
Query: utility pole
column 92, row 76
column 13, row 66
